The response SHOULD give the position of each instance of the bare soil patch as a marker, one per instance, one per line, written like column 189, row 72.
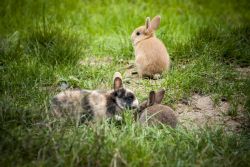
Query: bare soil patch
column 244, row 72
column 200, row 111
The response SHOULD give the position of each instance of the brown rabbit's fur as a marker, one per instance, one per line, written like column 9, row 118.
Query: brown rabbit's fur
column 151, row 56
column 151, row 112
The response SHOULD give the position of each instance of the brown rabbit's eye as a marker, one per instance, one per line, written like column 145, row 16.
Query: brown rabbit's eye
column 138, row 33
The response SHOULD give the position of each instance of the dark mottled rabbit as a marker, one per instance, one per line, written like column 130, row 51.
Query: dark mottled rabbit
column 95, row 104
column 152, row 112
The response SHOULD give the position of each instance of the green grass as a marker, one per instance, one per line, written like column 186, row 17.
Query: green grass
column 42, row 43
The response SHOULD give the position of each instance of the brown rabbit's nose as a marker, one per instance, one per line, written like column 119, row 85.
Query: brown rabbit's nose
column 132, row 37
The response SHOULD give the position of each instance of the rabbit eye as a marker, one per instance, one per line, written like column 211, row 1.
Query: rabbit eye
column 129, row 98
column 138, row 33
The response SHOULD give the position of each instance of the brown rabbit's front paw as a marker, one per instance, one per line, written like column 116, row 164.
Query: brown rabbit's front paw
column 157, row 76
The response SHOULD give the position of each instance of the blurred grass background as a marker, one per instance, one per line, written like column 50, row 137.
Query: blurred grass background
column 42, row 43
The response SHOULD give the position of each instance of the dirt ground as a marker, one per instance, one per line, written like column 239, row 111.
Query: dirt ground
column 200, row 111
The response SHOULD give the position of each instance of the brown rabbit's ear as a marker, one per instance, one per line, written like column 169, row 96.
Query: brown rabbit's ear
column 151, row 98
column 155, row 22
column 148, row 25
column 159, row 96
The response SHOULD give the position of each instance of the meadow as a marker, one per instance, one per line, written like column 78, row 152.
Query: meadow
column 81, row 43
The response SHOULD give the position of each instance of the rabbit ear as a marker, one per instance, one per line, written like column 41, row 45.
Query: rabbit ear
column 151, row 99
column 117, row 74
column 117, row 81
column 155, row 22
column 148, row 24
column 159, row 96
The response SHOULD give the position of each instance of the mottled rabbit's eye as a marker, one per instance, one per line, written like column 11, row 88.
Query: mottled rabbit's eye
column 130, row 98
column 138, row 33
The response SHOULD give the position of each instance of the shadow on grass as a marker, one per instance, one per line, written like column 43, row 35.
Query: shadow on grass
column 54, row 46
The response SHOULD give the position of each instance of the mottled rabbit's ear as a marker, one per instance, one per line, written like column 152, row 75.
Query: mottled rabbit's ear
column 159, row 96
column 151, row 98
column 117, row 81
column 155, row 22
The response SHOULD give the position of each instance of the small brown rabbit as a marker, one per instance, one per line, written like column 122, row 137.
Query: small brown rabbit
column 152, row 112
column 151, row 56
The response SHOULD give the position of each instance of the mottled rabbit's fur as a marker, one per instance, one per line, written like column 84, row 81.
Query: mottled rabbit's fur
column 151, row 112
column 95, row 104
column 151, row 56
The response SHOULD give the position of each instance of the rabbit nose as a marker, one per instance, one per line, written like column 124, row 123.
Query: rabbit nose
column 133, row 42
column 132, row 38
column 135, row 104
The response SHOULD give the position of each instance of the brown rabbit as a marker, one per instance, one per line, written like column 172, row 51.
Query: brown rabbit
column 152, row 112
column 151, row 56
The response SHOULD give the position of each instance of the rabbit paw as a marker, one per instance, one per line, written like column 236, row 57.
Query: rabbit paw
column 157, row 76
column 118, row 118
